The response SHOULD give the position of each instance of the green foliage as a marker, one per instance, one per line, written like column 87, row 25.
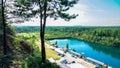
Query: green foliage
column 74, row 50
column 56, row 8
column 48, row 65
column 33, row 59
column 56, row 43
column 26, row 50
column 67, row 46
column 103, row 35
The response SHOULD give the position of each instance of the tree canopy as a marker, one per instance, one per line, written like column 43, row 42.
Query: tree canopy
column 43, row 9
column 54, row 8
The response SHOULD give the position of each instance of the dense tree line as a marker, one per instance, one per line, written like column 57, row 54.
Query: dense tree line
column 103, row 35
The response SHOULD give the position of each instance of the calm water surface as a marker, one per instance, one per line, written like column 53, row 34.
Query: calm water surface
column 108, row 55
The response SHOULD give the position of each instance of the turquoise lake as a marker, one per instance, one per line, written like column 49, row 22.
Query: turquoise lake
column 106, row 54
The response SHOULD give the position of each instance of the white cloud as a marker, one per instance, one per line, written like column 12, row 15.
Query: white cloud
column 87, row 16
column 80, row 9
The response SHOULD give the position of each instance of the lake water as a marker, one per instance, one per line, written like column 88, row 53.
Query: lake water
column 106, row 54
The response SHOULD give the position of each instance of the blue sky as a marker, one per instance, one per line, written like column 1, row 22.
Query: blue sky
column 91, row 13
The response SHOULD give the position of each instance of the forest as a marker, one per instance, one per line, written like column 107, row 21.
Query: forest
column 104, row 35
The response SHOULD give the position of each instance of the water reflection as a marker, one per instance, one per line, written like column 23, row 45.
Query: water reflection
column 113, row 51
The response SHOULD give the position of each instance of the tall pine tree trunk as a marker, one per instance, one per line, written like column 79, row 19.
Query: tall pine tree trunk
column 4, row 30
column 42, row 30
column 43, row 33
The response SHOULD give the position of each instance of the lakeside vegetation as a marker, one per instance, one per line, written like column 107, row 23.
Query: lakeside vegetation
column 104, row 35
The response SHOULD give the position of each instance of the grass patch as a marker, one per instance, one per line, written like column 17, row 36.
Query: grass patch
column 49, row 52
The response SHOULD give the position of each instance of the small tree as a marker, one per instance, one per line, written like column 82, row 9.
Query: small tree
column 74, row 50
column 67, row 46
column 56, row 43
